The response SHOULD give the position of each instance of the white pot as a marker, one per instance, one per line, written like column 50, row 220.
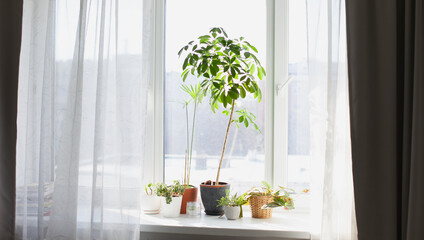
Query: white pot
column 232, row 213
column 172, row 209
column 150, row 204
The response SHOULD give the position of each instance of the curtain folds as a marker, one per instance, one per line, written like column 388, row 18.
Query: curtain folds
column 85, row 78
column 386, row 83
column 333, row 215
column 10, row 43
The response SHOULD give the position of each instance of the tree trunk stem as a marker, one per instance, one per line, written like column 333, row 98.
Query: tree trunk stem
column 225, row 143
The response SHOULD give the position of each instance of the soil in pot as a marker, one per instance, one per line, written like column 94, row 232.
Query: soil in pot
column 211, row 194
column 190, row 195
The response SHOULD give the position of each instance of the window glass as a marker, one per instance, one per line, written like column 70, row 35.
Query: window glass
column 244, row 162
column 298, row 105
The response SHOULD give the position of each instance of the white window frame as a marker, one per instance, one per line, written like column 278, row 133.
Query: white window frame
column 159, row 90
column 276, row 125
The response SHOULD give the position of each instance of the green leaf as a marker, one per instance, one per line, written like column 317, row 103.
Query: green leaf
column 229, row 99
column 182, row 74
column 203, row 83
column 204, row 67
column 246, row 123
column 233, row 93
column 246, row 54
column 233, row 72
column 260, row 73
column 214, row 70
column 225, row 34
column 179, row 52
column 223, row 100
column 252, row 47
column 199, row 69
column 204, row 37
column 185, row 63
column 242, row 92
column 252, row 69
column 185, row 76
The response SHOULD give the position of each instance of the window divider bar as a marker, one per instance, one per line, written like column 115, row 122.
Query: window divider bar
column 269, row 96
column 159, row 88
column 281, row 30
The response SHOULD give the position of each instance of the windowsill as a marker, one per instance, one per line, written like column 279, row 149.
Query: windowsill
column 281, row 225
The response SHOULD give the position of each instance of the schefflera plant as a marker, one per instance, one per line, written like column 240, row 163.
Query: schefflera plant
column 230, row 70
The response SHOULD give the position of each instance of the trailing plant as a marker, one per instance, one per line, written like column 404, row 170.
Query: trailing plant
column 170, row 191
column 196, row 95
column 230, row 70
column 281, row 196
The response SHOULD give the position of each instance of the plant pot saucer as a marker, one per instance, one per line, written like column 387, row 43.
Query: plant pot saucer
column 151, row 212
column 213, row 213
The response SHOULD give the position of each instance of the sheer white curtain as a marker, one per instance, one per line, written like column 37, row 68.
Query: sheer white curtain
column 85, row 91
column 332, row 184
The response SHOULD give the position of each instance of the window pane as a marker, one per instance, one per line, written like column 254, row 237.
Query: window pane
column 243, row 165
column 298, row 112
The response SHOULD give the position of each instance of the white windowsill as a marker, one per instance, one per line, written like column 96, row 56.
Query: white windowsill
column 281, row 225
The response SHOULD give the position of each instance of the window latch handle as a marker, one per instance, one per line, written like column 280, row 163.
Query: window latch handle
column 282, row 85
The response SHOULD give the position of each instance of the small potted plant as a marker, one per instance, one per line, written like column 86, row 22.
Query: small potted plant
column 150, row 202
column 229, row 69
column 171, row 198
column 195, row 94
column 233, row 205
column 263, row 199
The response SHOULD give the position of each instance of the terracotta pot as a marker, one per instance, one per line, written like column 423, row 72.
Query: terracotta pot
column 210, row 195
column 190, row 195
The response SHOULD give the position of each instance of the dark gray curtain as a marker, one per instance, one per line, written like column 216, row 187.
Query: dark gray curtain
column 10, row 43
column 386, row 81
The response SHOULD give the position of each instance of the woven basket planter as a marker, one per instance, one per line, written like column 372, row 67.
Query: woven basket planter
column 256, row 203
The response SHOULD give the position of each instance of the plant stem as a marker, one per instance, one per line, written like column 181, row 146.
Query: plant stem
column 225, row 143
column 185, row 168
column 188, row 135
column 191, row 145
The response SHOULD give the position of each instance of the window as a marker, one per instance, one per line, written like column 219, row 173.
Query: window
column 280, row 153
column 298, row 176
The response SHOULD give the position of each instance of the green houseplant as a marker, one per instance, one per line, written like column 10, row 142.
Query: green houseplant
column 171, row 198
column 229, row 69
column 195, row 94
column 233, row 205
column 263, row 199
